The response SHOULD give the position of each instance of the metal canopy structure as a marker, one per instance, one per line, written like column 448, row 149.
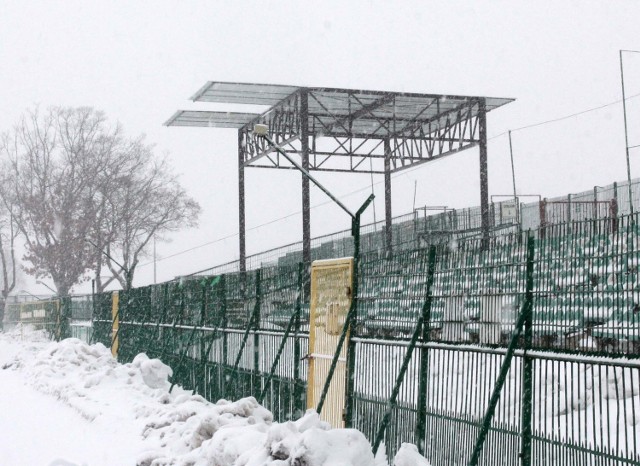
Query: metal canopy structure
column 345, row 130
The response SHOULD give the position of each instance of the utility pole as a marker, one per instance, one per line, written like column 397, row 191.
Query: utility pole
column 626, row 130
column 154, row 260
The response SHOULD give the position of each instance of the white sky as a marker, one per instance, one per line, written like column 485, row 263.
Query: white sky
column 140, row 61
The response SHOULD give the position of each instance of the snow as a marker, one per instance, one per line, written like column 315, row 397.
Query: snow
column 56, row 393
column 408, row 456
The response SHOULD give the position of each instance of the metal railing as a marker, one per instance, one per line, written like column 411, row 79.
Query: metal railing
column 423, row 227
column 430, row 356
column 523, row 350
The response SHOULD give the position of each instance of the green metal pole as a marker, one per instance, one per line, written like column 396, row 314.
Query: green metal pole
column 351, row 349
column 225, row 338
column 195, row 328
column 139, row 310
column 183, row 354
column 334, row 361
column 421, row 414
column 355, row 231
column 298, row 392
column 161, row 317
column 245, row 337
column 506, row 365
column 216, row 328
column 256, row 341
column 392, row 403
column 199, row 376
column 527, row 370
column 276, row 360
column 176, row 321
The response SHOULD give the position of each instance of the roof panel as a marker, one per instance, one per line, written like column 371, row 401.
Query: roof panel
column 335, row 108
column 243, row 93
column 210, row 119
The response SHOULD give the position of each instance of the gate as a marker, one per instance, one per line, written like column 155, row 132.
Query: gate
column 331, row 285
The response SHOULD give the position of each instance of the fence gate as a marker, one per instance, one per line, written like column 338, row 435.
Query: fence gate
column 331, row 285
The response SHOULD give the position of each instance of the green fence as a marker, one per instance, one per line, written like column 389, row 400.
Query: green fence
column 226, row 336
column 429, row 357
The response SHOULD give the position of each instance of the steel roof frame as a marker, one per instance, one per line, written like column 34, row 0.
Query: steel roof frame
column 337, row 130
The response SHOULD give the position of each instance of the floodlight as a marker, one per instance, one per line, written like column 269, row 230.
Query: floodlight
column 260, row 130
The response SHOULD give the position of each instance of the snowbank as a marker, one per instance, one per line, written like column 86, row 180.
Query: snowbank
column 180, row 428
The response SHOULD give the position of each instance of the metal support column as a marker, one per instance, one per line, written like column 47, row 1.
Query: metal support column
column 241, row 204
column 484, row 175
column 304, row 152
column 387, row 195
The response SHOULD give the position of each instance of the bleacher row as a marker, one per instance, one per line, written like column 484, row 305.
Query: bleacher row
column 586, row 287
column 586, row 290
column 407, row 232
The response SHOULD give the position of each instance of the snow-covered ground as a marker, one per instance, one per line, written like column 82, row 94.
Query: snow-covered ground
column 71, row 404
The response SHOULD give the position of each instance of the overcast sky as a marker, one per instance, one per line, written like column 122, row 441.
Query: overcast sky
column 141, row 61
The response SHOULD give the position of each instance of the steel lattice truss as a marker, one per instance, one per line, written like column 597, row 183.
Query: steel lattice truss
column 344, row 130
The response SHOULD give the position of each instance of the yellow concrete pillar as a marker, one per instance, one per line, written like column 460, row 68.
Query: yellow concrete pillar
column 116, row 323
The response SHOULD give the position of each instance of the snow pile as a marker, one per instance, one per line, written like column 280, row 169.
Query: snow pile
column 408, row 456
column 243, row 440
column 154, row 373
column 596, row 390
column 180, row 428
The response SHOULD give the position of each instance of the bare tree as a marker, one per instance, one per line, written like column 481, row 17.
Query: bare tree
column 53, row 162
column 85, row 197
column 145, row 202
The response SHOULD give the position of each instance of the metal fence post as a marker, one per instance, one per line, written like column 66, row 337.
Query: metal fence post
column 276, row 360
column 57, row 329
column 217, row 325
column 527, row 367
column 298, row 391
column 256, row 338
column 393, row 400
column 225, row 341
column 506, row 364
column 255, row 314
column 162, row 303
column 543, row 217
column 186, row 345
column 199, row 377
column 224, row 323
column 613, row 214
column 421, row 415
column 350, row 323
column 614, row 209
